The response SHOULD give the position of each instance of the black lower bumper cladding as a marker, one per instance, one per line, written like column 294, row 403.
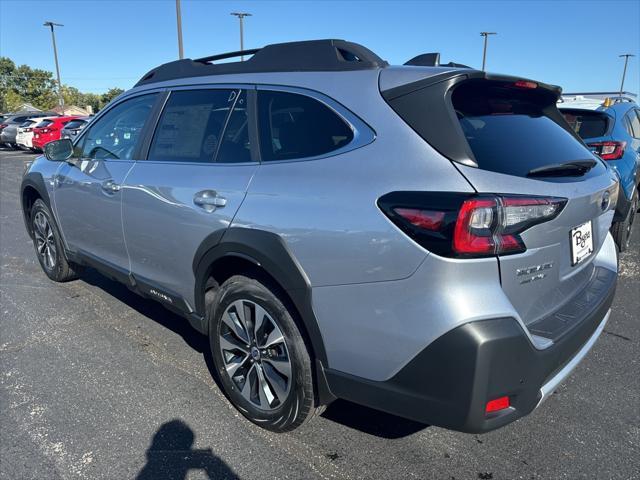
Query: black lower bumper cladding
column 449, row 383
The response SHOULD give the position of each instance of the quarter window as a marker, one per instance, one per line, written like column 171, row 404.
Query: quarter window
column 114, row 136
column 297, row 126
column 191, row 125
column 634, row 124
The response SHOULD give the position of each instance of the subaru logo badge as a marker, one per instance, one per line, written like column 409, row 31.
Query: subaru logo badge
column 604, row 204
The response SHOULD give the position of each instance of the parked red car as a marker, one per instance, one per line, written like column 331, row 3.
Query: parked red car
column 49, row 130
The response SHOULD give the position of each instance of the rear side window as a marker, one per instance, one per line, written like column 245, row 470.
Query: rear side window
column 587, row 124
column 191, row 124
column 296, row 126
column 510, row 130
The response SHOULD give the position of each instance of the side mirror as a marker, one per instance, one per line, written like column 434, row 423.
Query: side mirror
column 59, row 150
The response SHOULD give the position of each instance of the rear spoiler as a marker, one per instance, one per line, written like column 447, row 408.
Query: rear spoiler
column 453, row 77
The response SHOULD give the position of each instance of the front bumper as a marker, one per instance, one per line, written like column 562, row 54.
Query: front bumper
column 449, row 383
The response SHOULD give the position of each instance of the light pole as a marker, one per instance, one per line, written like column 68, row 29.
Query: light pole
column 241, row 16
column 179, row 20
column 624, row 72
column 55, row 56
column 484, row 51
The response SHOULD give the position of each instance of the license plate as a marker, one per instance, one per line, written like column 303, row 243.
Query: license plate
column 581, row 242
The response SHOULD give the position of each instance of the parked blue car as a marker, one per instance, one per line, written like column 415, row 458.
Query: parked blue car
column 609, row 123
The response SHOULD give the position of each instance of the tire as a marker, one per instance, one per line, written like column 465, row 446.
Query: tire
column 621, row 231
column 48, row 244
column 266, row 374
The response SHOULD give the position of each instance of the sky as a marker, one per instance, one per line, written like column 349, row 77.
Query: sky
column 112, row 43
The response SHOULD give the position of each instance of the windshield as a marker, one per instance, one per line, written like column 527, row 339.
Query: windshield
column 74, row 124
column 587, row 124
column 44, row 123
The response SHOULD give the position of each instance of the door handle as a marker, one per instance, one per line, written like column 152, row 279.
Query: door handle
column 209, row 200
column 110, row 186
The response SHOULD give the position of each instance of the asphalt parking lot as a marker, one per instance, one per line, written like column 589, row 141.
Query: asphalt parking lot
column 96, row 382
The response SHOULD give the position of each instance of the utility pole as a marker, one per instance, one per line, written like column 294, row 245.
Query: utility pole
column 624, row 72
column 484, row 51
column 179, row 20
column 241, row 16
column 55, row 56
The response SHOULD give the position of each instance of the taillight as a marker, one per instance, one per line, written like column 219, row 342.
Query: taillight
column 28, row 129
column 525, row 84
column 609, row 150
column 464, row 225
column 2, row 126
column 45, row 130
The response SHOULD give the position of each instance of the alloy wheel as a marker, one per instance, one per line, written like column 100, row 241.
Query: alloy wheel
column 255, row 354
column 45, row 241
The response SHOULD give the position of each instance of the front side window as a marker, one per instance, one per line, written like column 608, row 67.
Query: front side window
column 296, row 126
column 191, row 125
column 115, row 135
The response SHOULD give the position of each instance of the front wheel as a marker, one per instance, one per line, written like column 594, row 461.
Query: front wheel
column 48, row 244
column 260, row 355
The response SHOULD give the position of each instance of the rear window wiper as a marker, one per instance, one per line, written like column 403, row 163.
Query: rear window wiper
column 575, row 168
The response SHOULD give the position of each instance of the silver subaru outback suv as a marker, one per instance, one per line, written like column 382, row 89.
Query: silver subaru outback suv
column 431, row 241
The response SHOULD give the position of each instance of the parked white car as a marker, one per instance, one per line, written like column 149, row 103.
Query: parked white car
column 24, row 136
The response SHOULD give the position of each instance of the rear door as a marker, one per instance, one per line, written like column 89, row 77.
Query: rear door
column 516, row 135
column 187, row 191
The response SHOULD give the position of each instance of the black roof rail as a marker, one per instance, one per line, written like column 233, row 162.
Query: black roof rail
column 432, row 60
column 306, row 56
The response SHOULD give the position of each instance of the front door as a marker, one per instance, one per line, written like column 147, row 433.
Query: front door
column 88, row 190
column 187, row 191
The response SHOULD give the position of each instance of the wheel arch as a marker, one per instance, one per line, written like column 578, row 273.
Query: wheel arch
column 246, row 250
column 32, row 188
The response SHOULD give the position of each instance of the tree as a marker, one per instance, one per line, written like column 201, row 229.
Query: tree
column 110, row 95
column 25, row 84
column 11, row 101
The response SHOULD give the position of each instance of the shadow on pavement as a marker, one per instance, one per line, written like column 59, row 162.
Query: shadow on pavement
column 170, row 456
column 366, row 420
column 370, row 421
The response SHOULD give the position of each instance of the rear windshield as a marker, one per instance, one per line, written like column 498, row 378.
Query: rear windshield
column 44, row 123
column 511, row 130
column 586, row 123
column 75, row 124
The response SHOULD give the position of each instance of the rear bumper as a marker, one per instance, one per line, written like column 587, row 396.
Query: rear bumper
column 449, row 383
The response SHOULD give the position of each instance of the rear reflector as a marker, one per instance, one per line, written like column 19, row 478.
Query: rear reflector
column 609, row 150
column 497, row 404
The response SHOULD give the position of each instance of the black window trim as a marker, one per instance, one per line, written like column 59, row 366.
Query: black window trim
column 251, row 103
column 151, row 119
column 363, row 134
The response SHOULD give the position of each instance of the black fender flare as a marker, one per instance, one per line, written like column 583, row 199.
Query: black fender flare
column 36, row 181
column 268, row 251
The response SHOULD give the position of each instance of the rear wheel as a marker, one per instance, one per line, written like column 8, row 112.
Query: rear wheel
column 48, row 244
column 260, row 355
column 621, row 231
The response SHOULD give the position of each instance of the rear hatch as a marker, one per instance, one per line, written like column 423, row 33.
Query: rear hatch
column 552, row 198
